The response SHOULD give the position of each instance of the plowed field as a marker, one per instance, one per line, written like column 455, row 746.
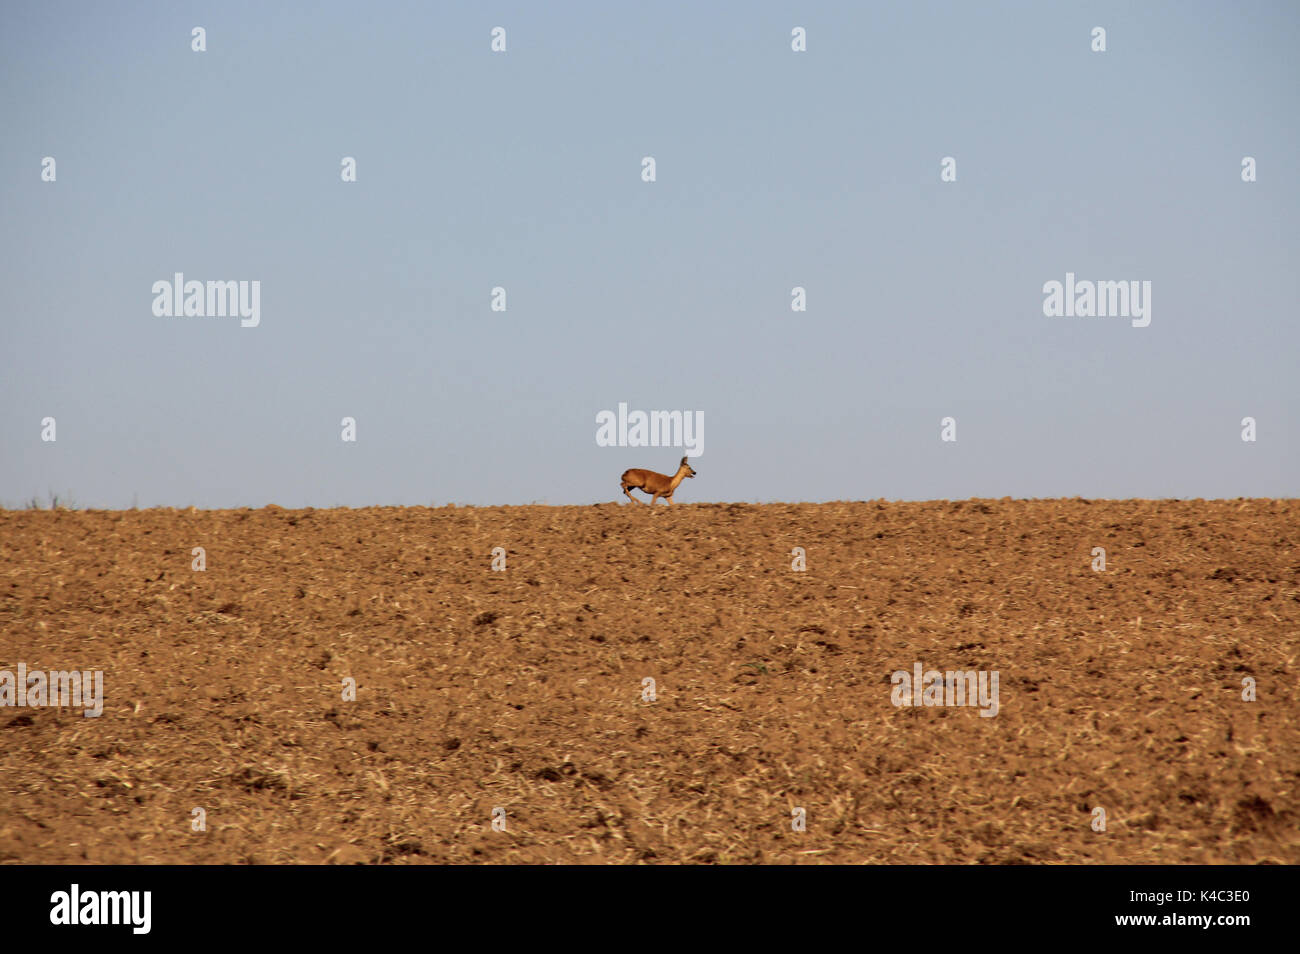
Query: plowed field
column 523, row 689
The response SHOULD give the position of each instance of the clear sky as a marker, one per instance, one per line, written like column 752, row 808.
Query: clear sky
column 523, row 169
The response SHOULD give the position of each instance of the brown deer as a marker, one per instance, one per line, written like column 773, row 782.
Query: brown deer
column 656, row 485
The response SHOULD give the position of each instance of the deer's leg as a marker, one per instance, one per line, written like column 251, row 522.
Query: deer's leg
column 627, row 489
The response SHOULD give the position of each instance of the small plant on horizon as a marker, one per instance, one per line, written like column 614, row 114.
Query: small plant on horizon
column 55, row 503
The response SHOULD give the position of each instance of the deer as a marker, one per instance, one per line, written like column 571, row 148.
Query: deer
column 656, row 485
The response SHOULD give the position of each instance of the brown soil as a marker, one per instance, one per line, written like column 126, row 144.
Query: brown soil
column 522, row 689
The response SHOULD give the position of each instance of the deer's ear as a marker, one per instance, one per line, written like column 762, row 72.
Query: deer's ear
column 683, row 460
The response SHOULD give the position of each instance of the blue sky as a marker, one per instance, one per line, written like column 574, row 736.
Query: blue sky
column 522, row 169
